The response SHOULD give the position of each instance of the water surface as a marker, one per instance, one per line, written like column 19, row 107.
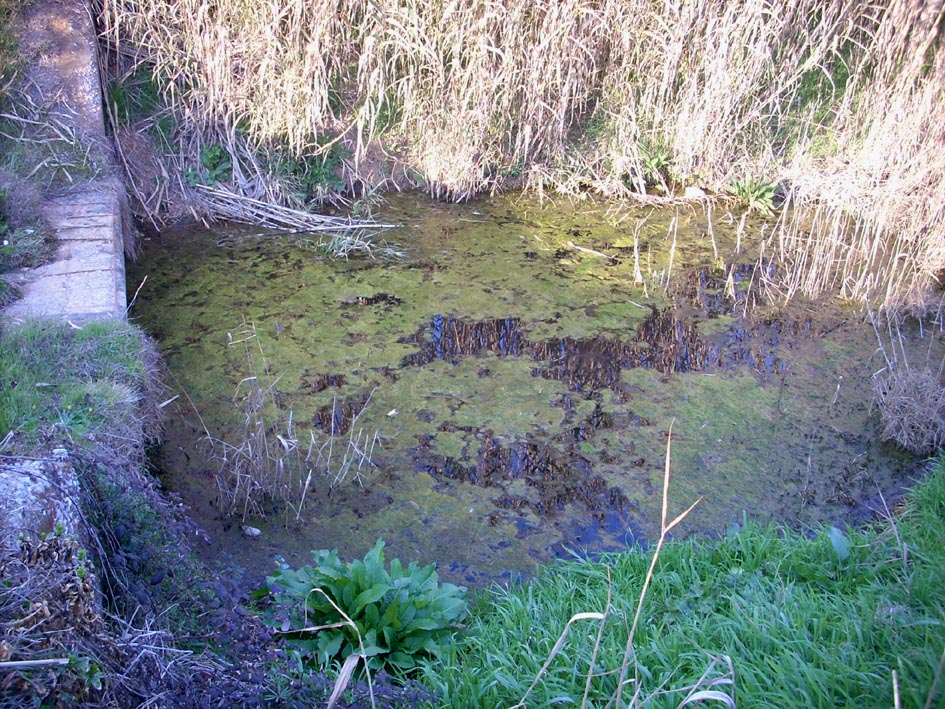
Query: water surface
column 515, row 378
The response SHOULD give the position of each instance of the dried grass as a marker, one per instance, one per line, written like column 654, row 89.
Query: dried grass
column 840, row 102
column 269, row 461
column 58, row 647
column 912, row 409
column 909, row 396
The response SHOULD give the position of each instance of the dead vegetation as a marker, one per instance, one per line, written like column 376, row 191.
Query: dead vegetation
column 910, row 395
column 269, row 462
column 838, row 102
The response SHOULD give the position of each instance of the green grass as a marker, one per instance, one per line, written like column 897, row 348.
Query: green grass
column 827, row 620
column 60, row 384
column 23, row 247
column 23, row 239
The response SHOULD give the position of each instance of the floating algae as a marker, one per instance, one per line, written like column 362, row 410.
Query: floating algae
column 520, row 389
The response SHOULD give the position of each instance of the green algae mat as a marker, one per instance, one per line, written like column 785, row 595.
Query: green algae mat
column 503, row 393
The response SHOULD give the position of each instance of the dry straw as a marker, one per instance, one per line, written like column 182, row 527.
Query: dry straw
column 840, row 102
column 909, row 395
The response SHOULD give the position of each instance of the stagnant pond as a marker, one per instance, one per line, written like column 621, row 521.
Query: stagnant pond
column 503, row 392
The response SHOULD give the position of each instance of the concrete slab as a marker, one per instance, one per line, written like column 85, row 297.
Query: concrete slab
column 86, row 281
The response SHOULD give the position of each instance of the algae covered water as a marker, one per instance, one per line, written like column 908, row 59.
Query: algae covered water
column 506, row 391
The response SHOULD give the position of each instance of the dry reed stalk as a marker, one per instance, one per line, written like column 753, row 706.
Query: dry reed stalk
column 701, row 690
column 876, row 200
column 839, row 101
column 262, row 464
column 665, row 529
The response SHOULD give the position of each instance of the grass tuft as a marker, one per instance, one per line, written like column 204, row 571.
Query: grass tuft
column 62, row 384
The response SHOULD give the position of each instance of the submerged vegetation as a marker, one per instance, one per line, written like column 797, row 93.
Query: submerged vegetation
column 838, row 102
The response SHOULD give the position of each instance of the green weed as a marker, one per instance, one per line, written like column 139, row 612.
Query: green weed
column 657, row 159
column 10, row 60
column 135, row 100
column 755, row 194
column 215, row 166
column 310, row 177
column 333, row 610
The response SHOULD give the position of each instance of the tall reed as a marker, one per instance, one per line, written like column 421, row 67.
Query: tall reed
column 837, row 101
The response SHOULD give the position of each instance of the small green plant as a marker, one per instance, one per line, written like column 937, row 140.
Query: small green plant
column 657, row 160
column 332, row 610
column 215, row 166
column 312, row 176
column 756, row 194
column 136, row 100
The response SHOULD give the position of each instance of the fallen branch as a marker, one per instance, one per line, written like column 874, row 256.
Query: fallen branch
column 574, row 246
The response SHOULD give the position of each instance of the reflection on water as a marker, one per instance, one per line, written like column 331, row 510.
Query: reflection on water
column 520, row 389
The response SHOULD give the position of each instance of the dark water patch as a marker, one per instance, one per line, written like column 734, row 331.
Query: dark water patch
column 321, row 382
column 552, row 479
column 608, row 532
column 733, row 290
column 368, row 300
column 450, row 339
column 335, row 419
column 667, row 343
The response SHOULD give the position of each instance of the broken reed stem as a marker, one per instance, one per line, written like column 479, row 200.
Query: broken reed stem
column 673, row 227
column 711, row 231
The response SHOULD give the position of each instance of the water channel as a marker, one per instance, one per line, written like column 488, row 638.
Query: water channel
column 502, row 392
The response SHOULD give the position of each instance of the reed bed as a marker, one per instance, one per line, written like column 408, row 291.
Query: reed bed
column 837, row 102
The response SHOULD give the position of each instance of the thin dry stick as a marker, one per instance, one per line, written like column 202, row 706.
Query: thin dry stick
column 601, row 617
column 664, row 531
column 711, row 230
column 28, row 664
column 597, row 643
column 344, row 676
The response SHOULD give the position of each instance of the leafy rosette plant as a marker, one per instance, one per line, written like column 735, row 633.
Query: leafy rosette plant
column 332, row 609
column 757, row 195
